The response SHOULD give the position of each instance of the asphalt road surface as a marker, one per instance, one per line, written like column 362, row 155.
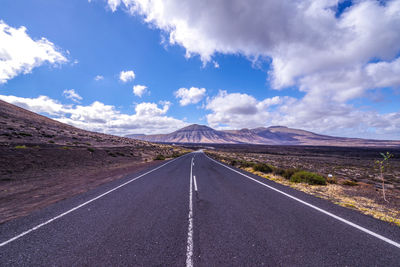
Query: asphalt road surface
column 194, row 211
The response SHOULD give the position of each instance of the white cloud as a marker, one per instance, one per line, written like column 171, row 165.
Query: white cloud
column 71, row 94
column 151, row 109
column 332, row 59
column 41, row 104
column 190, row 96
column 19, row 53
column 239, row 110
column 99, row 78
column 126, row 76
column 148, row 118
column 113, row 4
column 139, row 90
column 216, row 64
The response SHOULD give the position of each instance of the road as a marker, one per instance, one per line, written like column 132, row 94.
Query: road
column 194, row 211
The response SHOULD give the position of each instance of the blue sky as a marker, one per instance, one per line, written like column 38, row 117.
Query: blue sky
column 234, row 65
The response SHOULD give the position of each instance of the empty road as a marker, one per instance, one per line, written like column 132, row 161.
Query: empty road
column 194, row 211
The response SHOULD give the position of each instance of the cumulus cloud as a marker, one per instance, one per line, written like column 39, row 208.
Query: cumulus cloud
column 148, row 118
column 126, row 76
column 332, row 58
column 71, row 94
column 99, row 78
column 301, row 37
column 190, row 96
column 139, row 90
column 238, row 110
column 19, row 53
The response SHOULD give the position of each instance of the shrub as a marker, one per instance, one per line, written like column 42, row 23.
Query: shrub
column 278, row 171
column 349, row 183
column 51, row 141
column 65, row 147
column 233, row 162
column 308, row 177
column 176, row 154
column 262, row 167
column 159, row 157
column 288, row 173
column 20, row 147
column 331, row 180
column 246, row 164
column 90, row 149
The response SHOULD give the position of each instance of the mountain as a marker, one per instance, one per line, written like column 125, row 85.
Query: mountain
column 191, row 134
column 274, row 135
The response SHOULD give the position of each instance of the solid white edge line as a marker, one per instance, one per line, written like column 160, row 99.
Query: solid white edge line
column 81, row 205
column 189, row 248
column 387, row 240
column 195, row 183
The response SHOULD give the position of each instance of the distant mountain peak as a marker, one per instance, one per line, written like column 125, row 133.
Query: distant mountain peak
column 196, row 127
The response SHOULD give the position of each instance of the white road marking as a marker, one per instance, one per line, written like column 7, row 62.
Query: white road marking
column 195, row 183
column 80, row 206
column 387, row 240
column 189, row 248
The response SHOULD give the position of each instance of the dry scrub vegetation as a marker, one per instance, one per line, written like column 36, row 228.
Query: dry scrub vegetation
column 344, row 191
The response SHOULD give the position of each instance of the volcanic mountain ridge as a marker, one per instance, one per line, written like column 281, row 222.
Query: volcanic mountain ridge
column 273, row 135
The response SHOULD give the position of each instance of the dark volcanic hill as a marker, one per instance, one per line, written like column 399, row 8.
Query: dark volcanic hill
column 274, row 135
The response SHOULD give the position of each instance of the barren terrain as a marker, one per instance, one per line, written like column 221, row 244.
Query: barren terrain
column 43, row 161
column 356, row 179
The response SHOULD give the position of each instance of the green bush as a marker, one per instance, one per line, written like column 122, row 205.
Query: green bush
column 262, row 167
column 20, row 147
column 278, row 171
column 159, row 157
column 288, row 173
column 308, row 177
column 90, row 149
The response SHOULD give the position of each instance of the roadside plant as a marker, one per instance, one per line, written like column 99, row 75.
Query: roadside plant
column 308, row 178
column 159, row 157
column 384, row 162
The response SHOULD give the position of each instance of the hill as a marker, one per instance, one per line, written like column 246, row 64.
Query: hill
column 43, row 160
column 274, row 135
